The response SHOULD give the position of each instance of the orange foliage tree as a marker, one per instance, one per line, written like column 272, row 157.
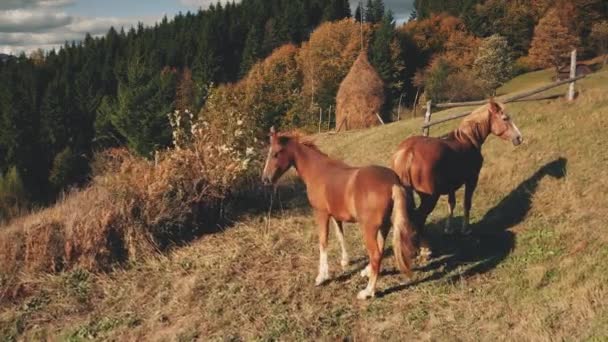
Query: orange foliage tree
column 273, row 86
column 327, row 57
column 552, row 41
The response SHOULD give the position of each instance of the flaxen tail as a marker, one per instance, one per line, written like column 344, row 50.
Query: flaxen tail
column 403, row 230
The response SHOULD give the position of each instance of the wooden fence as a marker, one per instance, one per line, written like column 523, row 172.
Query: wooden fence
column 525, row 96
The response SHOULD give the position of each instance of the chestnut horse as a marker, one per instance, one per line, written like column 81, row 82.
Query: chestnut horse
column 440, row 166
column 371, row 195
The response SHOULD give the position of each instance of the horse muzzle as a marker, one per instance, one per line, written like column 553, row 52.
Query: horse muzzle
column 517, row 140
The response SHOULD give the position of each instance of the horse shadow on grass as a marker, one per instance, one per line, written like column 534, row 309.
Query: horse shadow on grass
column 491, row 241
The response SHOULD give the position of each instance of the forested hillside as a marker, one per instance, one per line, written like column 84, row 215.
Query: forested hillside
column 56, row 108
column 271, row 62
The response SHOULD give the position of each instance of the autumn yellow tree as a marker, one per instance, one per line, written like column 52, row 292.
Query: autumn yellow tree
column 272, row 86
column 327, row 57
column 552, row 41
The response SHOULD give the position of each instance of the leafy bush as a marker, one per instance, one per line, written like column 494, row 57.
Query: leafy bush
column 135, row 207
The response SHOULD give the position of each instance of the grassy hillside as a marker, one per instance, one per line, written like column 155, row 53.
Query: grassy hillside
column 535, row 268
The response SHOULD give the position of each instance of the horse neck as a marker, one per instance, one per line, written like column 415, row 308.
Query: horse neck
column 308, row 162
column 473, row 132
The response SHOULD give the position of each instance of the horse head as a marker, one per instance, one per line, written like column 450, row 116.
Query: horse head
column 502, row 125
column 279, row 158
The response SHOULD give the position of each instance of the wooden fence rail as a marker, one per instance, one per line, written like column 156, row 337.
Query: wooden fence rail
column 524, row 96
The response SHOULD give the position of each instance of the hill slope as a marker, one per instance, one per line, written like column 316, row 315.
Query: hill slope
column 535, row 268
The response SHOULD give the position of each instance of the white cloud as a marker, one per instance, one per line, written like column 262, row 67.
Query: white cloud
column 101, row 25
column 401, row 8
column 22, row 20
column 16, row 4
column 16, row 42
column 26, row 25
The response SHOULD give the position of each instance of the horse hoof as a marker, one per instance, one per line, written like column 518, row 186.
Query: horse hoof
column 425, row 252
column 365, row 294
column 321, row 279
column 344, row 263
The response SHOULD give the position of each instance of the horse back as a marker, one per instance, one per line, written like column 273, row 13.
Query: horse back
column 435, row 166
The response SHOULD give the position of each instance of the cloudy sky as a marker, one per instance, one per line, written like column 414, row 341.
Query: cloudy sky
column 26, row 25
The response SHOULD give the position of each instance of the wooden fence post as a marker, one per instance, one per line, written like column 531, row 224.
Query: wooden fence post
column 427, row 118
column 329, row 118
column 399, row 108
column 572, row 75
column 320, row 118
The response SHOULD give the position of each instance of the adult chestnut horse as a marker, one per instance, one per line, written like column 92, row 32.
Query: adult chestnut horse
column 371, row 195
column 440, row 166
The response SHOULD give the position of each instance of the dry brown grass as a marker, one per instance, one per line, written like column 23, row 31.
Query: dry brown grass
column 360, row 97
column 535, row 269
column 133, row 207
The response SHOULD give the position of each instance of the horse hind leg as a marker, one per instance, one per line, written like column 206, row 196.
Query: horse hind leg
column 375, row 257
column 427, row 204
column 382, row 234
column 340, row 233
column 451, row 204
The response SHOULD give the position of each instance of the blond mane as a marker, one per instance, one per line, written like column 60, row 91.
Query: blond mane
column 475, row 127
column 303, row 139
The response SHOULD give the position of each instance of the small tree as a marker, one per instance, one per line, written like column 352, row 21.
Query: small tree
column 552, row 41
column 599, row 37
column 494, row 64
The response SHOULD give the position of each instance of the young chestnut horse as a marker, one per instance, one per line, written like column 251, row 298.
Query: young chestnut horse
column 440, row 166
column 371, row 195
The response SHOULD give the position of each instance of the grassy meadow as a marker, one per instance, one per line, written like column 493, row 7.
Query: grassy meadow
column 535, row 268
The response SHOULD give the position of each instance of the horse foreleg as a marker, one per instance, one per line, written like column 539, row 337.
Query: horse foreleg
column 375, row 256
column 322, row 219
column 340, row 233
column 451, row 205
column 468, row 199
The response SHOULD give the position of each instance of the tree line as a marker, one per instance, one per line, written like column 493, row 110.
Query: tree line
column 271, row 61
column 58, row 107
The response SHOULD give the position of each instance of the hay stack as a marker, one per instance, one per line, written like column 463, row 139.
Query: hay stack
column 360, row 97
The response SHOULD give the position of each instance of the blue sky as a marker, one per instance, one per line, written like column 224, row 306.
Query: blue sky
column 26, row 25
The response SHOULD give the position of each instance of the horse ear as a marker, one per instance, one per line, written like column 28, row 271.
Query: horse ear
column 494, row 107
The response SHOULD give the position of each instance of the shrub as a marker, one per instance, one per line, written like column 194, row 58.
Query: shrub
column 135, row 207
column 465, row 86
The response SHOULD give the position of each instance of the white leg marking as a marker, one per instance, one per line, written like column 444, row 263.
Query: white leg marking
column 370, row 290
column 323, row 268
column 345, row 260
column 366, row 271
column 267, row 160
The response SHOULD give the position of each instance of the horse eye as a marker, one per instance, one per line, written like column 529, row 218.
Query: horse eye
column 505, row 118
column 276, row 155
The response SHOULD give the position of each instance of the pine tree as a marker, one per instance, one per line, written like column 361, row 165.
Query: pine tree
column 358, row 13
column 271, row 37
column 252, row 50
column 145, row 98
column 369, row 12
column 385, row 56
